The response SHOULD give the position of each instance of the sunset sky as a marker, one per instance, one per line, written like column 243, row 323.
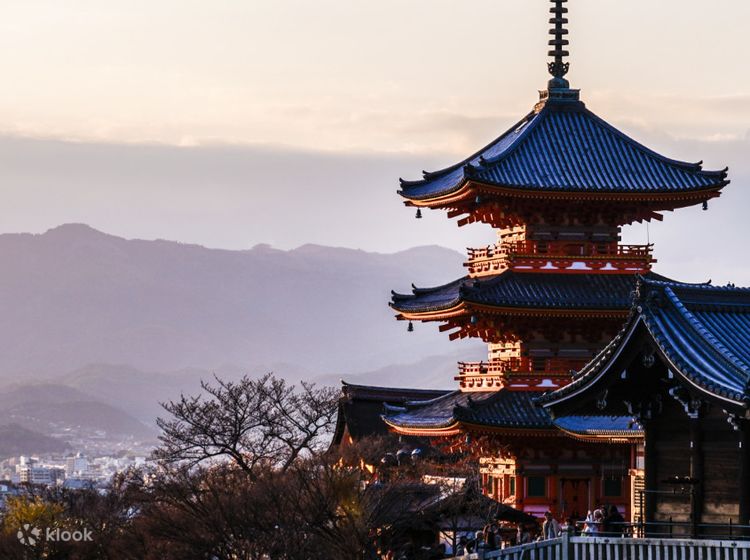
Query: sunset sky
column 231, row 123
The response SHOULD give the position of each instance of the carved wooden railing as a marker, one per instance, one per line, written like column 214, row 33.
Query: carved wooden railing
column 539, row 254
column 552, row 366
column 577, row 249
column 542, row 373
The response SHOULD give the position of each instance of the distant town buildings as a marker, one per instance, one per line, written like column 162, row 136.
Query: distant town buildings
column 71, row 471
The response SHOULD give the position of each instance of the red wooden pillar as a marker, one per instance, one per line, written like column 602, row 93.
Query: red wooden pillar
column 554, row 500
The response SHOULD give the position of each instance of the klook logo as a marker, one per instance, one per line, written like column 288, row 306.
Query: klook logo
column 29, row 535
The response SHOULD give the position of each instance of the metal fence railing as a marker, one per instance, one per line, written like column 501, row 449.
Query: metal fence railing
column 570, row 547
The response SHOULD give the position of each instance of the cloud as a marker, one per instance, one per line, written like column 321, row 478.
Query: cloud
column 218, row 195
column 236, row 196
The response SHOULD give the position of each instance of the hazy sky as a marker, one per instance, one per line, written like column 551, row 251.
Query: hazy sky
column 230, row 123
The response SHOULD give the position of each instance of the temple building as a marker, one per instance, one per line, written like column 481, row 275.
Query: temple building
column 551, row 291
column 681, row 367
column 360, row 408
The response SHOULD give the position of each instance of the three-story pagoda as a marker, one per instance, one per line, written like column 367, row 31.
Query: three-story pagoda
column 553, row 289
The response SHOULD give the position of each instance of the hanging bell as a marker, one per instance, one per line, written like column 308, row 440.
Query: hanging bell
column 410, row 328
column 419, row 214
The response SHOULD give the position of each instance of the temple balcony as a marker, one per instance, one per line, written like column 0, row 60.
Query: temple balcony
column 560, row 256
column 517, row 373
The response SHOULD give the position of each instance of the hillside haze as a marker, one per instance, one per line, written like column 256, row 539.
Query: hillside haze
column 74, row 296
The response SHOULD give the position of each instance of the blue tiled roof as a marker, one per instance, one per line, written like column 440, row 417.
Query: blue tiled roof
column 510, row 409
column 435, row 413
column 526, row 290
column 703, row 330
column 506, row 409
column 500, row 409
column 566, row 147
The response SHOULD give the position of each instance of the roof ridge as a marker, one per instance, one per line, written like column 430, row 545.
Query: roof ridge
column 707, row 335
column 428, row 402
column 646, row 279
column 393, row 408
column 415, row 290
column 594, row 365
column 347, row 386
column 541, row 115
column 429, row 175
column 701, row 286
column 697, row 166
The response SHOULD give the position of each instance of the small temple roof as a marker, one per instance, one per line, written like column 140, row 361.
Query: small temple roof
column 361, row 406
column 510, row 409
column 526, row 290
column 565, row 147
column 504, row 410
column 702, row 332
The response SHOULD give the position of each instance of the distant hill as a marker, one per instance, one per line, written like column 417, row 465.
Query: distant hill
column 433, row 372
column 75, row 296
column 139, row 393
column 16, row 440
column 55, row 408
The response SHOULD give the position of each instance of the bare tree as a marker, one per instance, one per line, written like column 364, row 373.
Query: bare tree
column 252, row 422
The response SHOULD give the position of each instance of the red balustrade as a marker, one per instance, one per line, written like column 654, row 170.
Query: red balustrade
column 551, row 366
column 575, row 249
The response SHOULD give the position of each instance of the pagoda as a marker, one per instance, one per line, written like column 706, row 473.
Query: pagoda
column 556, row 285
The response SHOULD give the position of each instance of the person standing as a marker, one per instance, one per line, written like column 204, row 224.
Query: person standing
column 550, row 527
column 490, row 538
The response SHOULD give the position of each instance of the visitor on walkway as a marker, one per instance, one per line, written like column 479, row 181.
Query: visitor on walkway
column 550, row 527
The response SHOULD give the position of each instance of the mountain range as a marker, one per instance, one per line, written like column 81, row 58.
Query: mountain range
column 75, row 296
column 97, row 330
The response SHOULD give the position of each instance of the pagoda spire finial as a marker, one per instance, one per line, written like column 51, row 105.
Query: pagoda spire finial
column 558, row 67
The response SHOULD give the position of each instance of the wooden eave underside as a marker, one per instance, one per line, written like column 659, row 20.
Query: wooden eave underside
column 463, row 309
column 509, row 431
column 458, row 428
column 463, row 427
column 471, row 188
column 451, row 430
column 603, row 438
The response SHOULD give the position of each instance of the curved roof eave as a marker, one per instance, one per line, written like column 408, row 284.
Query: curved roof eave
column 450, row 428
column 428, row 175
column 521, row 292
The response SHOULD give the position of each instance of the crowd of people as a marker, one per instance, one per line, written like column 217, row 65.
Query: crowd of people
column 488, row 539
column 605, row 520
